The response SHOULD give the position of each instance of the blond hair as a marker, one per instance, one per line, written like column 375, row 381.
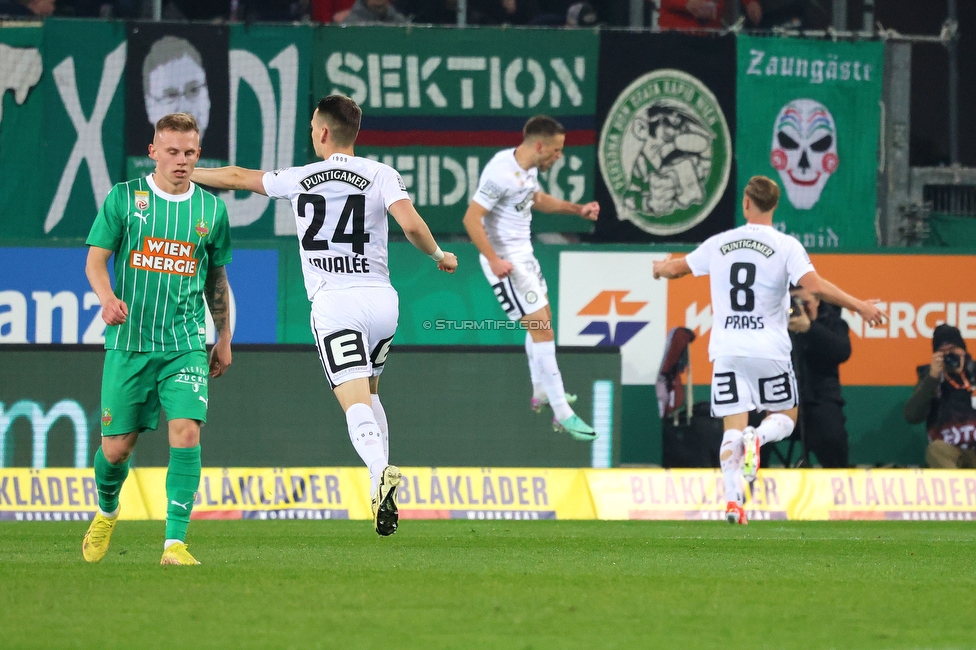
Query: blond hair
column 764, row 192
column 179, row 122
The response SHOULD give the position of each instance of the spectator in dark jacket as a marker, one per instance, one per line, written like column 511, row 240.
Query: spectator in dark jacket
column 944, row 399
column 821, row 342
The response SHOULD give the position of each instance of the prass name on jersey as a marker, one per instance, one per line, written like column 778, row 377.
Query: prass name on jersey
column 744, row 323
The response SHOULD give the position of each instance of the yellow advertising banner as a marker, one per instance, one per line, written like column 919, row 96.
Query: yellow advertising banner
column 267, row 493
column 892, row 494
column 505, row 494
column 688, row 494
column 60, row 494
column 493, row 493
column 914, row 304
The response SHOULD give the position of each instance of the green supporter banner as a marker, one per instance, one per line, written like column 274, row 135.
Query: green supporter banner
column 84, row 108
column 21, row 119
column 270, row 79
column 442, row 179
column 438, row 103
column 809, row 116
column 60, row 136
column 446, row 72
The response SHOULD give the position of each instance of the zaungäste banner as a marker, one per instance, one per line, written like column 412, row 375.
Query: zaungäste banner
column 808, row 117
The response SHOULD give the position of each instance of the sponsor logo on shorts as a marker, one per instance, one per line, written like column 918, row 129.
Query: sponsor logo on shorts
column 165, row 256
column 531, row 297
column 142, row 200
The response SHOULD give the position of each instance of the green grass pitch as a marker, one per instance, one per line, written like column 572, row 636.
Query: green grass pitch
column 460, row 584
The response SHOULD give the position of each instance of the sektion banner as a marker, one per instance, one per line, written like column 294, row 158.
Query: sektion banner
column 439, row 102
column 808, row 116
column 666, row 107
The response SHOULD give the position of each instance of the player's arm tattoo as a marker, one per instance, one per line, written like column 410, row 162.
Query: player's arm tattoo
column 217, row 291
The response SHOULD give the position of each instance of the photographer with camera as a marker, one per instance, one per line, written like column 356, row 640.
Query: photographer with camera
column 821, row 342
column 944, row 399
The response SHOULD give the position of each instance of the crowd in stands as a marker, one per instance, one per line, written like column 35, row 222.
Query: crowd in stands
column 672, row 14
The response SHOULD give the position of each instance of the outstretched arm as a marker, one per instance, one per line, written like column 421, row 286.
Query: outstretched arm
column 671, row 268
column 418, row 234
column 551, row 205
column 230, row 178
column 217, row 291
column 826, row 290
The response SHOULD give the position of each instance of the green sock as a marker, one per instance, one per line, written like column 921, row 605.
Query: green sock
column 108, row 481
column 182, row 481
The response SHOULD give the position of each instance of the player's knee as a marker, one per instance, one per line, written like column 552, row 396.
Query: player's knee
column 184, row 433
column 117, row 449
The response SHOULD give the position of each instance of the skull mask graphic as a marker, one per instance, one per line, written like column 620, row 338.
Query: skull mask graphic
column 804, row 150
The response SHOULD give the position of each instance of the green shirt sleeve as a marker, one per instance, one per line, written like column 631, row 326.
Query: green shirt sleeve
column 109, row 226
column 218, row 244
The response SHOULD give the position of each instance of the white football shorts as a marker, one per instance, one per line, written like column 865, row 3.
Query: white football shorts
column 743, row 384
column 523, row 291
column 353, row 330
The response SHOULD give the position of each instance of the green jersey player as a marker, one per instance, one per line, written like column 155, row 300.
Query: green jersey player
column 171, row 240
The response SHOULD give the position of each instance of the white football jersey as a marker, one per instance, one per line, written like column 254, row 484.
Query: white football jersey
column 751, row 269
column 340, row 205
column 507, row 191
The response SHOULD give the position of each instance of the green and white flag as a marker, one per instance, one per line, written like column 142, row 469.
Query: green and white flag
column 809, row 117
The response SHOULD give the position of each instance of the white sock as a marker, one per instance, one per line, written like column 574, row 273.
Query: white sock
column 170, row 542
column 380, row 414
column 538, row 391
column 114, row 513
column 774, row 428
column 544, row 354
column 365, row 434
column 730, row 456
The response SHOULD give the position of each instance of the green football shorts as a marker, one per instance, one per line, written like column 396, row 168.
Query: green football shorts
column 135, row 384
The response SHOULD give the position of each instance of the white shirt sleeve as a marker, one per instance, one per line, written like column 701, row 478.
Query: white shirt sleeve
column 281, row 183
column 390, row 186
column 489, row 192
column 699, row 260
column 798, row 261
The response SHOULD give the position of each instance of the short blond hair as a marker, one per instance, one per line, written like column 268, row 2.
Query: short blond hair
column 179, row 122
column 764, row 192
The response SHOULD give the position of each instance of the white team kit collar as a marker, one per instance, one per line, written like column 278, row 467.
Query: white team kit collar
column 166, row 196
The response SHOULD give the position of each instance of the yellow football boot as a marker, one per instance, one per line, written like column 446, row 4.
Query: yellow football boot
column 177, row 554
column 95, row 545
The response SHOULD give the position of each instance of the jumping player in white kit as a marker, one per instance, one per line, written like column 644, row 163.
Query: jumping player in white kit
column 499, row 220
column 750, row 270
column 340, row 205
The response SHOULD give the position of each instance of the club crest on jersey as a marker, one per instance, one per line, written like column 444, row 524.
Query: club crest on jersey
column 202, row 229
column 142, row 200
column 665, row 152
column 106, row 417
column 747, row 244
column 340, row 175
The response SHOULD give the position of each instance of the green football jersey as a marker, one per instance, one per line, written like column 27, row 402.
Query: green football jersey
column 164, row 245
